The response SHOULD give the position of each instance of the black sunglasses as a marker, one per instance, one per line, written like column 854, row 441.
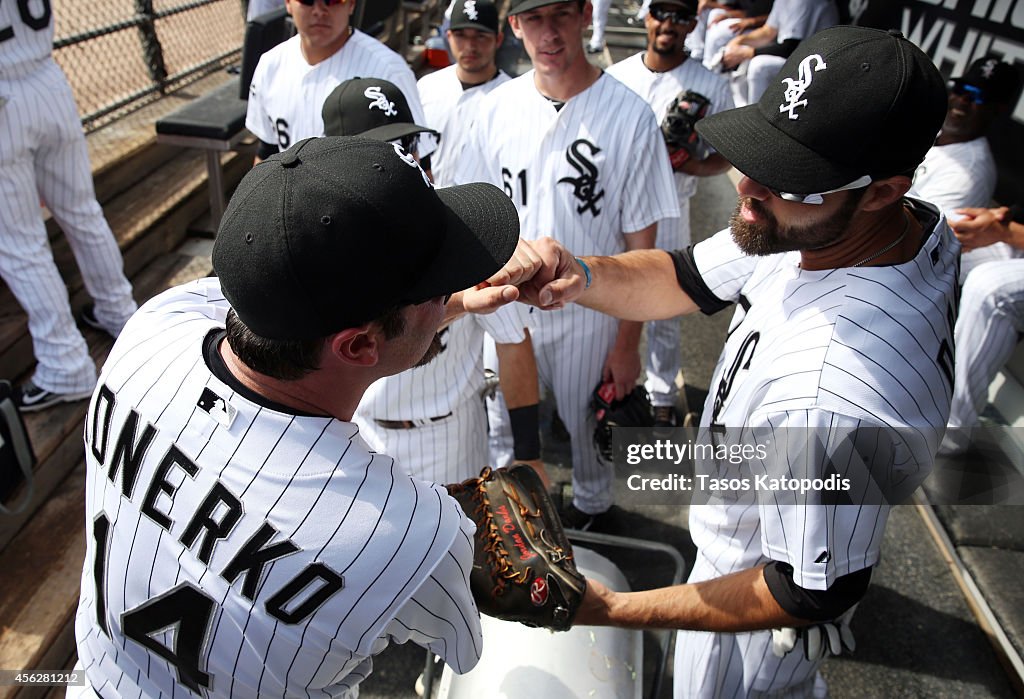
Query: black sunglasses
column 963, row 90
column 662, row 14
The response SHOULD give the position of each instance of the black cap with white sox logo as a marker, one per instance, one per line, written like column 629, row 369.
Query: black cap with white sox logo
column 369, row 107
column 333, row 232
column 481, row 15
column 850, row 103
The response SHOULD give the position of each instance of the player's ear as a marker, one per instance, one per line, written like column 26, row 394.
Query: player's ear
column 884, row 192
column 359, row 346
column 513, row 21
column 498, row 39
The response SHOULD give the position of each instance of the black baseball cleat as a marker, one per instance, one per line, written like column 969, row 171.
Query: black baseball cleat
column 87, row 316
column 31, row 398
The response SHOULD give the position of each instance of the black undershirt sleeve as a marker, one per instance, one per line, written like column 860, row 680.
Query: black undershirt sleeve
column 265, row 150
column 693, row 284
column 815, row 605
column 778, row 49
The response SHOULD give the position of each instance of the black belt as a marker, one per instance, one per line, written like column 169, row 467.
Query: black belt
column 410, row 424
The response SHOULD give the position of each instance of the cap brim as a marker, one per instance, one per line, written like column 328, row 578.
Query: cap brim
column 534, row 4
column 391, row 132
column 768, row 156
column 473, row 25
column 482, row 233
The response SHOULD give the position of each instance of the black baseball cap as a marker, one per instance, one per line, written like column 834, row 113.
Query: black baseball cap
column 527, row 5
column 475, row 14
column 998, row 81
column 369, row 107
column 689, row 5
column 849, row 102
column 335, row 231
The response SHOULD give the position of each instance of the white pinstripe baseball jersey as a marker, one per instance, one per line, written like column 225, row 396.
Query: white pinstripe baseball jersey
column 575, row 172
column 453, row 446
column 26, row 36
column 799, row 19
column 586, row 174
column 962, row 175
column 663, row 360
column 957, row 175
column 287, row 94
column 449, row 109
column 453, row 376
column 237, row 549
column 844, row 371
column 659, row 89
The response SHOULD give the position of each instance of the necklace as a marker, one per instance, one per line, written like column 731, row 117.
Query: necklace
column 890, row 246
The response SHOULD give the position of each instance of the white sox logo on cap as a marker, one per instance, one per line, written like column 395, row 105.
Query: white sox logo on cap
column 470, row 10
column 795, row 89
column 989, row 67
column 380, row 101
column 409, row 160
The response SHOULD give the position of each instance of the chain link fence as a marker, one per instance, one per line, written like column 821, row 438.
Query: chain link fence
column 121, row 54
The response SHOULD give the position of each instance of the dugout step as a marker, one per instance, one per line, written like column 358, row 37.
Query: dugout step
column 149, row 220
column 56, row 433
column 42, row 573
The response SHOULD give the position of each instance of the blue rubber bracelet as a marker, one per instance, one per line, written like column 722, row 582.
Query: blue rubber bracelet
column 586, row 271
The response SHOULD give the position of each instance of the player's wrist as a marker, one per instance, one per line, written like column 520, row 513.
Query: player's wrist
column 586, row 272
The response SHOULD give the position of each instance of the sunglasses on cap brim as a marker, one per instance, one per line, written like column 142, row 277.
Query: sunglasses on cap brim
column 976, row 94
column 819, row 198
column 677, row 16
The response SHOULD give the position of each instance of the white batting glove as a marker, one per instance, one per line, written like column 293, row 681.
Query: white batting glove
column 820, row 640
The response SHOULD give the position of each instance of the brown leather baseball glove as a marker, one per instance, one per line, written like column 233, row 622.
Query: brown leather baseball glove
column 678, row 127
column 523, row 568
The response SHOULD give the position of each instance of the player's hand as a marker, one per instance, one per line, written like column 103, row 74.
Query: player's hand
column 981, row 227
column 745, row 24
column 559, row 280
column 481, row 299
column 524, row 264
column 736, row 53
column 622, row 368
column 596, row 605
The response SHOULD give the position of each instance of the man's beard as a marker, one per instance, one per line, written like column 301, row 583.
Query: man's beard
column 435, row 348
column 673, row 49
column 767, row 237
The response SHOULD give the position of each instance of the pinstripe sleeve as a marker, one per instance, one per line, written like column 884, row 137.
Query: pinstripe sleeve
column 472, row 162
column 723, row 266
column 442, row 615
column 856, row 471
column 650, row 189
column 506, row 324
